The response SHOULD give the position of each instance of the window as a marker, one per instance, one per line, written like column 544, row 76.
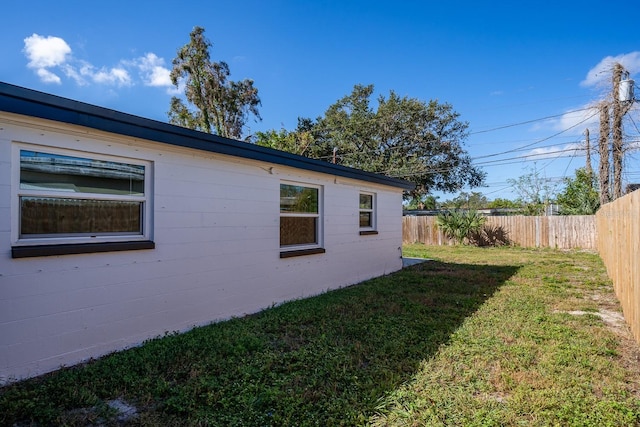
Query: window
column 367, row 213
column 66, row 197
column 300, row 218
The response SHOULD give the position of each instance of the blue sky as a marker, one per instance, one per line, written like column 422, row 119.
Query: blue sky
column 503, row 65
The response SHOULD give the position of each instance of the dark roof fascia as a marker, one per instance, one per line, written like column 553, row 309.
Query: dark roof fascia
column 28, row 102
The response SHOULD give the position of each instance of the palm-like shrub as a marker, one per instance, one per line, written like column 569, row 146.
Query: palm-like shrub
column 460, row 225
column 490, row 235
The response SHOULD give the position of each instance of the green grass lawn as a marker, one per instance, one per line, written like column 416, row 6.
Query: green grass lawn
column 493, row 336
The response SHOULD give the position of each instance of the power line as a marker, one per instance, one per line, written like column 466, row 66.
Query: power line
column 478, row 132
column 538, row 141
column 538, row 156
column 346, row 155
column 634, row 123
column 408, row 173
column 529, row 121
column 498, row 190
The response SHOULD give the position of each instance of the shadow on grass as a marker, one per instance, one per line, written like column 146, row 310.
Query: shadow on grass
column 326, row 360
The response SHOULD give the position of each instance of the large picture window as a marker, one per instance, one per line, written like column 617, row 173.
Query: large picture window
column 70, row 197
column 300, row 216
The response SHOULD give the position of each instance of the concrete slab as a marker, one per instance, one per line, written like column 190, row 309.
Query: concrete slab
column 406, row 262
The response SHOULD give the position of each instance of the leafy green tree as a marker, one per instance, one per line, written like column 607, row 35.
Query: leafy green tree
column 298, row 142
column 535, row 192
column 580, row 195
column 403, row 137
column 460, row 225
column 221, row 105
column 423, row 202
column 500, row 203
column 474, row 200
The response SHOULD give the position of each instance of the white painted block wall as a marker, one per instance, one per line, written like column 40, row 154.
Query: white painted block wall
column 216, row 230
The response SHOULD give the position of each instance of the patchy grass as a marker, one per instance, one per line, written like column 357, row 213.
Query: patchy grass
column 476, row 337
column 544, row 350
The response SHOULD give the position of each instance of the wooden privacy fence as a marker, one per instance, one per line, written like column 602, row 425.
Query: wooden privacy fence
column 561, row 232
column 618, row 225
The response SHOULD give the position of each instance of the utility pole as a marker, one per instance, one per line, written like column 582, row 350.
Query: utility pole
column 616, row 131
column 621, row 101
column 588, row 148
column 603, row 150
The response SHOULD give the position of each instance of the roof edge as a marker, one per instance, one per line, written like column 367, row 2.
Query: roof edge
column 29, row 102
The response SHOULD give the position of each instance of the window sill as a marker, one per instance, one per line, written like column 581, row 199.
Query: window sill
column 302, row 252
column 78, row 248
column 368, row 232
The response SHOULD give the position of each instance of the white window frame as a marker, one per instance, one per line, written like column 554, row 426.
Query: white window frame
column 372, row 211
column 319, row 217
column 53, row 239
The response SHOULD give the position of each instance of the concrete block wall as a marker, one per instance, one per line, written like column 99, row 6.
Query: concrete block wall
column 216, row 230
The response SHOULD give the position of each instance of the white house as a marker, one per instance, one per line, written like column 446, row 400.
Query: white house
column 115, row 229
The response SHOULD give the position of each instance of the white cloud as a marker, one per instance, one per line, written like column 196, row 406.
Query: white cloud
column 159, row 77
column 47, row 76
column 575, row 121
column 600, row 75
column 50, row 54
column 44, row 53
column 572, row 122
column 113, row 76
column 153, row 71
column 74, row 73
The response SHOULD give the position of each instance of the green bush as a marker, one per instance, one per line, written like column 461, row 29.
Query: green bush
column 460, row 224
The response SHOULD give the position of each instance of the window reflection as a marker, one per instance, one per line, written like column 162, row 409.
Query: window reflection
column 53, row 172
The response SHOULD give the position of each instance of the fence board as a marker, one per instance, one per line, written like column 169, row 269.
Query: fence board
column 561, row 232
column 618, row 225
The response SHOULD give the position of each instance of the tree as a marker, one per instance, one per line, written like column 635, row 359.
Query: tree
column 474, row 200
column 534, row 192
column 426, row 201
column 220, row 104
column 298, row 142
column 403, row 137
column 500, row 203
column 580, row 195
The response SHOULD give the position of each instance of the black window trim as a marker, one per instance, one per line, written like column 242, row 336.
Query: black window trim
column 301, row 252
column 78, row 248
